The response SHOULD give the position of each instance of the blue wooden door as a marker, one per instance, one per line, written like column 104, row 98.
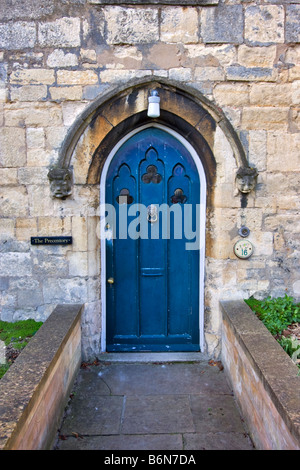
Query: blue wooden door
column 152, row 274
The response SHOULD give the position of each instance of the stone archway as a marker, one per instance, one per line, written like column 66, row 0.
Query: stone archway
column 183, row 109
column 103, row 123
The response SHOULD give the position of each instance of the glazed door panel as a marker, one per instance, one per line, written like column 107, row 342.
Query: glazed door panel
column 153, row 289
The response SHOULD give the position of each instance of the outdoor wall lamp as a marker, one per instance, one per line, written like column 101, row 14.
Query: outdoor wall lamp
column 153, row 104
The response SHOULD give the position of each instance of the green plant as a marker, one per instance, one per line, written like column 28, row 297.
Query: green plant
column 291, row 345
column 276, row 313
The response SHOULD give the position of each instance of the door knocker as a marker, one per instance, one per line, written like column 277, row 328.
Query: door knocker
column 152, row 213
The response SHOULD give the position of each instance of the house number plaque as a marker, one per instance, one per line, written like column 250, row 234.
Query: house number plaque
column 243, row 249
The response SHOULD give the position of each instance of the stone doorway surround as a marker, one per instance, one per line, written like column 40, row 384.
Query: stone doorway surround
column 122, row 109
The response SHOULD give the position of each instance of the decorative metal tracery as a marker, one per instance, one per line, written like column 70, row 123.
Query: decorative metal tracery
column 151, row 175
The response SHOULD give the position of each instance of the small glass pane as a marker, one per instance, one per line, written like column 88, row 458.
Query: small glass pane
column 178, row 196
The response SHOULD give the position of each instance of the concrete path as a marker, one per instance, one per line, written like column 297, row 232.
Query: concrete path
column 129, row 403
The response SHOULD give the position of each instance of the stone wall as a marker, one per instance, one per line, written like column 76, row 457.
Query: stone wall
column 59, row 56
column 264, row 379
column 36, row 389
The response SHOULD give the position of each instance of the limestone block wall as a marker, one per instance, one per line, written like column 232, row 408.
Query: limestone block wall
column 58, row 56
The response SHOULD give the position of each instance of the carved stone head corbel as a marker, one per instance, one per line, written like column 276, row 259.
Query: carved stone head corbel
column 246, row 179
column 60, row 182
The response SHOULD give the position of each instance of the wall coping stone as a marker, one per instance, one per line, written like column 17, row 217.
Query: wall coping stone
column 155, row 2
column 274, row 367
column 32, row 367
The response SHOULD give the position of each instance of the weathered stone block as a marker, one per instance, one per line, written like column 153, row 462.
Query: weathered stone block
column 93, row 28
column 40, row 201
column 32, row 9
column 40, row 157
column 263, row 118
column 94, row 267
column 282, row 220
column 78, row 264
column 258, row 149
column 162, row 56
column 8, row 176
column 4, row 283
column 223, row 24
column 268, row 94
column 66, row 93
column 15, row 264
column 32, row 77
column 49, row 264
column 209, row 73
column 29, row 93
column 88, row 56
column 7, row 228
column 18, row 35
column 3, row 74
column 32, row 175
column 263, row 56
column 54, row 226
column 292, row 31
column 227, row 94
column 240, row 73
column 65, row 290
column 77, row 77
column 35, row 137
column 111, row 76
column 208, row 56
column 13, row 201
column 64, row 32
column 179, row 25
column 12, row 147
column 55, row 137
column 79, row 232
column 31, row 115
column 283, row 152
column 180, row 74
column 58, row 58
column 264, row 24
column 131, row 26
column 26, row 228
column 27, row 291
column 295, row 91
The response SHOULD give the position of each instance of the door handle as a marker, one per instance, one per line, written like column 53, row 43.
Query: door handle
column 110, row 280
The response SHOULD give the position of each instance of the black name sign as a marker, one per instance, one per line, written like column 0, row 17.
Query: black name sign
column 51, row 240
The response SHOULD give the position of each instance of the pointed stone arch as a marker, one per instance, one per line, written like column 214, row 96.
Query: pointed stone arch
column 123, row 108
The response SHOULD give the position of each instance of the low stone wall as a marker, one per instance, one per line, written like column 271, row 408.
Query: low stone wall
column 35, row 390
column 263, row 377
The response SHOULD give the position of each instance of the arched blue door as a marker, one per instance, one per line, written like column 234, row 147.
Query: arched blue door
column 152, row 260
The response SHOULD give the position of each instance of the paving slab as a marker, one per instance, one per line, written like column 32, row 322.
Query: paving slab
column 181, row 405
column 161, row 442
column 157, row 414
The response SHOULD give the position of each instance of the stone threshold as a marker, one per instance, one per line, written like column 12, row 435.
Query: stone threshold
column 144, row 357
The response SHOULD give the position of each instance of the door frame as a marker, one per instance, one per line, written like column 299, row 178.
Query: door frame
column 202, row 214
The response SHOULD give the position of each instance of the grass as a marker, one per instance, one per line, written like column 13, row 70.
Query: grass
column 16, row 336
